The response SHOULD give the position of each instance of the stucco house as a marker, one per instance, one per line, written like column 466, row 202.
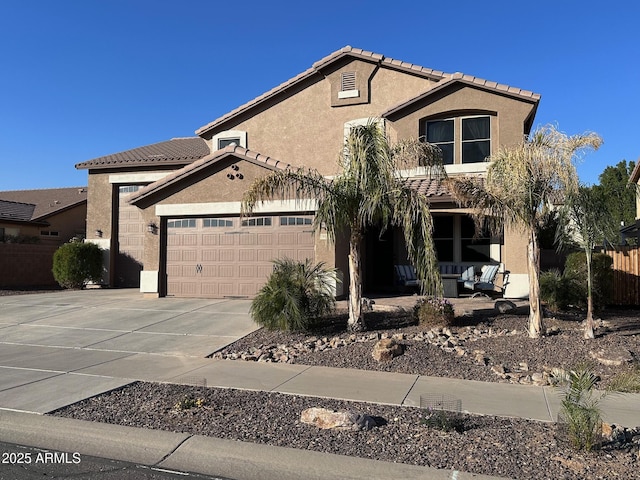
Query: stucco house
column 168, row 213
column 50, row 216
column 633, row 231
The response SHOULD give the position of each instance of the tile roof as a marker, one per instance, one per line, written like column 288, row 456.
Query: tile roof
column 177, row 151
column 230, row 150
column 15, row 211
column 430, row 187
column 315, row 68
column 451, row 79
column 45, row 202
column 382, row 60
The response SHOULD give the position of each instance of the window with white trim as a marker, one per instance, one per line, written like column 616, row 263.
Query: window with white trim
column 226, row 138
column 476, row 139
column 440, row 133
column 467, row 137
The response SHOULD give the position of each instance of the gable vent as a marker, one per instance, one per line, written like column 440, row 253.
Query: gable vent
column 348, row 81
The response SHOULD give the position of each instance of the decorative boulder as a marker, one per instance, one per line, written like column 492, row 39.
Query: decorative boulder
column 505, row 306
column 612, row 357
column 330, row 419
column 386, row 349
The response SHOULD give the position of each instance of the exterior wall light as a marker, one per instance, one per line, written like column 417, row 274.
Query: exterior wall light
column 99, row 233
column 152, row 228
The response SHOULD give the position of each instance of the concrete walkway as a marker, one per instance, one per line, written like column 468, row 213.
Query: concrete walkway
column 56, row 349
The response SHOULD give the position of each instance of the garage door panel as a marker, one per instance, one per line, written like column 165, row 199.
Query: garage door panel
column 247, row 255
column 247, row 271
column 210, row 239
column 226, row 271
column 210, row 289
column 228, row 239
column 247, row 289
column 189, row 255
column 210, row 255
column 190, row 239
column 265, row 239
column 208, row 263
column 265, row 255
column 248, row 239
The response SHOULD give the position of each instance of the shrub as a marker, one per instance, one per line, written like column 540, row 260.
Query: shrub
column 434, row 312
column 294, row 296
column 76, row 263
column 580, row 418
column 575, row 271
column 555, row 290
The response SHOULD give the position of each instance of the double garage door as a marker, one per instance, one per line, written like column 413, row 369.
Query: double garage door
column 218, row 257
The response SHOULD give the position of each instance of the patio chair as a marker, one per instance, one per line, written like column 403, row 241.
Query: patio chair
column 406, row 276
column 485, row 285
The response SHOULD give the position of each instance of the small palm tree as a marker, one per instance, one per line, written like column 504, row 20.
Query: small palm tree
column 294, row 295
column 587, row 221
column 521, row 185
column 367, row 192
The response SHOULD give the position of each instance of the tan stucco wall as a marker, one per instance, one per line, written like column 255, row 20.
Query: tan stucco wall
column 99, row 205
column 507, row 122
column 306, row 130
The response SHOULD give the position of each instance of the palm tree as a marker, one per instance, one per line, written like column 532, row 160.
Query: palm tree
column 521, row 186
column 367, row 192
column 588, row 221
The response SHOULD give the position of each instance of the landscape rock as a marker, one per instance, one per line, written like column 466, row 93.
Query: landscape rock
column 505, row 306
column 386, row 350
column 329, row 419
column 612, row 358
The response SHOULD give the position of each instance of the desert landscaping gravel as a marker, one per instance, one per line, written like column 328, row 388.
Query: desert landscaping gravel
column 506, row 447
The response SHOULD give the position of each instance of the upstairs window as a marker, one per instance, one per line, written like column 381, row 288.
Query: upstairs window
column 461, row 139
column 440, row 133
column 476, row 139
column 223, row 142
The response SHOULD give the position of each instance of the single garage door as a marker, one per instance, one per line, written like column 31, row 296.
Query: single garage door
column 228, row 257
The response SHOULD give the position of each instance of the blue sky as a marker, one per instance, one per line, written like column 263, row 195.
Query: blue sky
column 80, row 79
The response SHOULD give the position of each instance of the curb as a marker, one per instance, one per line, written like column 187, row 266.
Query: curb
column 203, row 455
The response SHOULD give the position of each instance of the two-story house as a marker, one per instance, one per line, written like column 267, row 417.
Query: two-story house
column 169, row 213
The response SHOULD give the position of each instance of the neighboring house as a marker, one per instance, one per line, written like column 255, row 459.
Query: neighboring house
column 633, row 231
column 46, row 216
column 169, row 212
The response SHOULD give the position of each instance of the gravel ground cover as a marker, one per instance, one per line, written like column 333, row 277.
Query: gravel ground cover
column 512, row 448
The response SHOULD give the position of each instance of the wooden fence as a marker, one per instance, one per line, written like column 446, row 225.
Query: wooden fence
column 626, row 275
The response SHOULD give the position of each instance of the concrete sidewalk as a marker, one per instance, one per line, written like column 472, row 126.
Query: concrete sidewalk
column 77, row 359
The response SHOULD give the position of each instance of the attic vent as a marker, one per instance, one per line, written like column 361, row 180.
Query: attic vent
column 348, row 81
column 348, row 85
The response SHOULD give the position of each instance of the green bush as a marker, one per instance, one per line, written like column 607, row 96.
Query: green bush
column 575, row 271
column 295, row 295
column 76, row 263
column 580, row 417
column 555, row 290
column 434, row 312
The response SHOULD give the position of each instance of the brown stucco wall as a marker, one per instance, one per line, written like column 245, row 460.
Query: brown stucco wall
column 306, row 130
column 99, row 205
column 24, row 265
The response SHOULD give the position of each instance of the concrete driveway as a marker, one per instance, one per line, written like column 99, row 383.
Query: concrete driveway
column 57, row 348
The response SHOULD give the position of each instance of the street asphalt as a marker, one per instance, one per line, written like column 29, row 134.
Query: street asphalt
column 59, row 348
